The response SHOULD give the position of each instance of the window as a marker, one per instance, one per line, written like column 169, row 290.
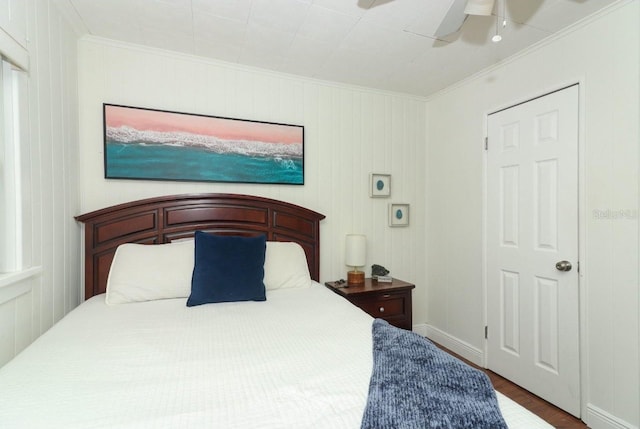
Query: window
column 10, row 203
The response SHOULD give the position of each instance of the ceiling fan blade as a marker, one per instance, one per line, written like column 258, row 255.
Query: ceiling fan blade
column 479, row 7
column 370, row 4
column 453, row 19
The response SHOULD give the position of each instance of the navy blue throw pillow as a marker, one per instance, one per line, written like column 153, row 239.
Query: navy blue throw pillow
column 227, row 269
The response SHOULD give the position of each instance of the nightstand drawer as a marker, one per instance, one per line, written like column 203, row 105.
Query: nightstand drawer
column 388, row 301
column 383, row 308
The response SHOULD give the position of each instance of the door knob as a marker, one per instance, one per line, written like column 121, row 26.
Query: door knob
column 563, row 266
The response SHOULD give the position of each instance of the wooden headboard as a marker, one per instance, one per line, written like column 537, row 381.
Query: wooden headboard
column 164, row 219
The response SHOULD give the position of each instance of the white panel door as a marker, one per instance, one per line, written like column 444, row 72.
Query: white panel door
column 532, row 253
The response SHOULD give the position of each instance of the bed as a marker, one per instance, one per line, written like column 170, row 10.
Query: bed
column 138, row 357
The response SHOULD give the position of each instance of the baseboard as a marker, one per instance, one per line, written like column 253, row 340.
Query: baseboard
column 454, row 344
column 420, row 329
column 598, row 418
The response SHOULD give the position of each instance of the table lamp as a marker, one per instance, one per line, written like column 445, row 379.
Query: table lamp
column 355, row 256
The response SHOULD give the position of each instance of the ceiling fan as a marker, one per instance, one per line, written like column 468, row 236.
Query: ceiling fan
column 458, row 13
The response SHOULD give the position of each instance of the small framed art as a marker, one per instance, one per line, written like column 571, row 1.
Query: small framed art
column 380, row 186
column 398, row 214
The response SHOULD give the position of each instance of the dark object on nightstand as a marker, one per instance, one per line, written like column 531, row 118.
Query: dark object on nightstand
column 378, row 270
column 388, row 301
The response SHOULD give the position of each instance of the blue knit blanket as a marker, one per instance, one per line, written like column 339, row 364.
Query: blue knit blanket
column 414, row 384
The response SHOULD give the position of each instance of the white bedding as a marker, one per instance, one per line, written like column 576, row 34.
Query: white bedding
column 302, row 359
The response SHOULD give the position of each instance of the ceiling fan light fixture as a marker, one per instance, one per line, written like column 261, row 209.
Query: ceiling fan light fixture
column 497, row 37
column 479, row 7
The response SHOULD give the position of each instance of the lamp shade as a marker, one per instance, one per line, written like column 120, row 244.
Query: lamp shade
column 356, row 250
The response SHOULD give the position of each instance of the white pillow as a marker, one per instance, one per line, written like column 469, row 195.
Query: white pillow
column 146, row 272
column 285, row 266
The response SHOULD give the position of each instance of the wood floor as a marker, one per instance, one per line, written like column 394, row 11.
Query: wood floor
column 546, row 411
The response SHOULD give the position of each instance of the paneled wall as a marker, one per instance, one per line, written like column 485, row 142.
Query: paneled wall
column 603, row 56
column 349, row 133
column 50, row 286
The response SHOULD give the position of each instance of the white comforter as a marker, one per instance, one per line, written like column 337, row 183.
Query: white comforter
column 302, row 359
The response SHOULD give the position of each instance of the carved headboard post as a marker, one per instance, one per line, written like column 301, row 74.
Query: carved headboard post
column 164, row 219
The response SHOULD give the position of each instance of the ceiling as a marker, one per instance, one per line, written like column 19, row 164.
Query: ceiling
column 385, row 44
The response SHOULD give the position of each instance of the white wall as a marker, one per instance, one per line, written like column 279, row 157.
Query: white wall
column 349, row 133
column 603, row 55
column 49, row 285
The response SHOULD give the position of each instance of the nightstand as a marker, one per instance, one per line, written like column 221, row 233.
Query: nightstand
column 388, row 301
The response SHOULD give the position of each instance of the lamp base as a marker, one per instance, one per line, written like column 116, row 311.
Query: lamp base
column 355, row 277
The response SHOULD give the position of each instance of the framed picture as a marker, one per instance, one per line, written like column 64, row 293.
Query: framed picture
column 380, row 185
column 148, row 144
column 398, row 214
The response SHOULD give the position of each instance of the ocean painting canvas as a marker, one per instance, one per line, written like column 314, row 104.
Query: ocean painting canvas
column 151, row 144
